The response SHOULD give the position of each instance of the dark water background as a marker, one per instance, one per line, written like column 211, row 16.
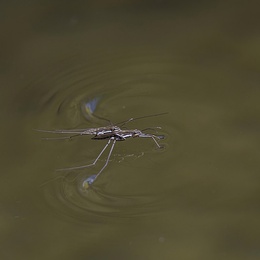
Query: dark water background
column 199, row 197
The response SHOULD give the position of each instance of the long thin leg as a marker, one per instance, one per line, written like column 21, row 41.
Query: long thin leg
column 85, row 166
column 60, row 138
column 107, row 160
column 151, row 136
column 73, row 132
column 156, row 142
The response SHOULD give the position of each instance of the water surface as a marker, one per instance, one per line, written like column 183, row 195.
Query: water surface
column 197, row 198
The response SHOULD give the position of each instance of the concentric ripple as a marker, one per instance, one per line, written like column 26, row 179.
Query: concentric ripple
column 116, row 90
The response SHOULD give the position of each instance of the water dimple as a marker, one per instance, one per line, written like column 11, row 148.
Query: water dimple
column 87, row 183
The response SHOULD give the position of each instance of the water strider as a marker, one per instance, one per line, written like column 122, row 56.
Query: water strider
column 112, row 133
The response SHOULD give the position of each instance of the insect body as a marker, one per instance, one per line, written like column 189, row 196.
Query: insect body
column 111, row 133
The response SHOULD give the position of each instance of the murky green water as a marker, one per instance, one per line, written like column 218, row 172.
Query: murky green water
column 198, row 198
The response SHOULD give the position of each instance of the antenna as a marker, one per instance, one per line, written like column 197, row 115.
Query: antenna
column 102, row 118
column 141, row 117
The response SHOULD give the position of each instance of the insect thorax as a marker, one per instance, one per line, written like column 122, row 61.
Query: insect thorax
column 108, row 132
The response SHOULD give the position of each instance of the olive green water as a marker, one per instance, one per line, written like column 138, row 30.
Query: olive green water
column 198, row 197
